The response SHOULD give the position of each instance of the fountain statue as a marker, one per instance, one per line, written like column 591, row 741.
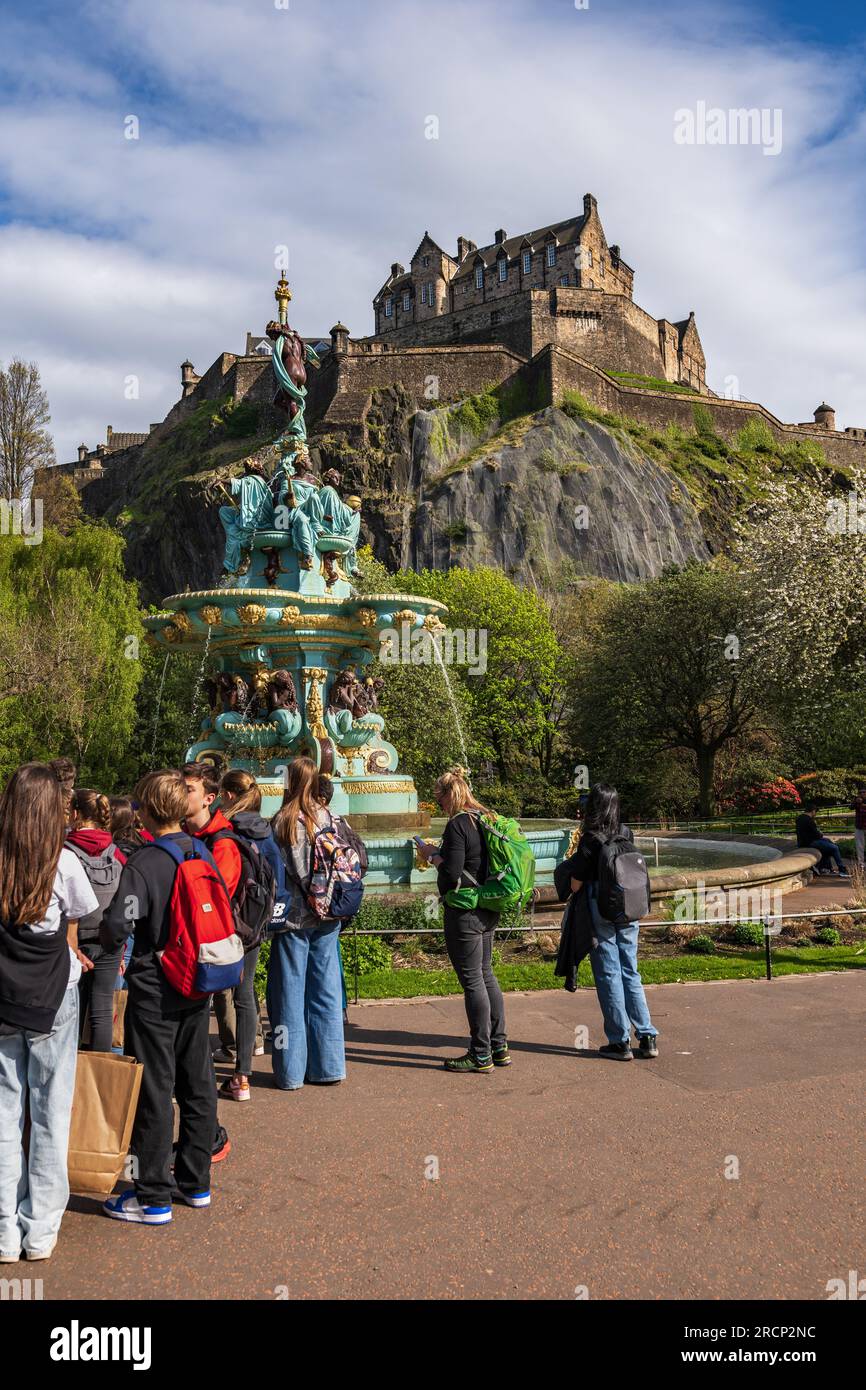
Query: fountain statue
column 289, row 635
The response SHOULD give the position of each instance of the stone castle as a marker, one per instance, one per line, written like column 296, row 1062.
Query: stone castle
column 552, row 309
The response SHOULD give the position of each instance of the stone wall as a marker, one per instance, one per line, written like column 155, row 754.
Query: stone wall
column 558, row 371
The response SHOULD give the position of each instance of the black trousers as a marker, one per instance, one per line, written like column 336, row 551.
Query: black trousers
column 175, row 1051
column 469, row 941
column 96, row 993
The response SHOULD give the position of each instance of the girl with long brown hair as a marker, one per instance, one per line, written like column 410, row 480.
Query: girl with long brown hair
column 461, row 860
column 43, row 893
column 305, row 997
column 90, row 840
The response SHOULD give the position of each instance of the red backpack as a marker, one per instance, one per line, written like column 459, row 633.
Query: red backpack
column 203, row 953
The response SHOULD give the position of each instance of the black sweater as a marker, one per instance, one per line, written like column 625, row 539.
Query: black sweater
column 141, row 906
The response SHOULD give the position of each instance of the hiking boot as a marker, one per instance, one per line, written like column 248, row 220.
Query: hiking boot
column 648, row 1046
column 501, row 1056
column 469, row 1062
column 617, row 1052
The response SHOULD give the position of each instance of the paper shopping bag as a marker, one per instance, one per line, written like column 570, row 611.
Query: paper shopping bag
column 103, row 1110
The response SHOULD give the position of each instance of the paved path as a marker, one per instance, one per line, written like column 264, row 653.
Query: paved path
column 562, row 1171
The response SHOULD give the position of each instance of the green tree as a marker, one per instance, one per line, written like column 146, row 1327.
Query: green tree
column 515, row 697
column 673, row 671
column 70, row 647
column 25, row 444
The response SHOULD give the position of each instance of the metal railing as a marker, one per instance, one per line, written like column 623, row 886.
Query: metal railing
column 836, row 822
column 771, row 923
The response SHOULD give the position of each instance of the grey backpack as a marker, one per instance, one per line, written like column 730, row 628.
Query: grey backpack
column 103, row 873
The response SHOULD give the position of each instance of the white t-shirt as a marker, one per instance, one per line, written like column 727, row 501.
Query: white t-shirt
column 73, row 895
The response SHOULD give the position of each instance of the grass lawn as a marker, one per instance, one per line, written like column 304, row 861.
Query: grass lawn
column 731, row 963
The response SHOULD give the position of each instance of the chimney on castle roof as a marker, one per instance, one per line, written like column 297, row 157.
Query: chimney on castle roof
column 589, row 204
column 499, row 237
column 396, row 269
column 464, row 246
column 614, row 253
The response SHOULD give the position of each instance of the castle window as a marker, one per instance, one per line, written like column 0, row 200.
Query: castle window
column 494, row 318
column 527, row 262
column 563, row 279
column 389, row 306
column 479, row 277
column 601, row 264
column 425, row 261
column 502, row 266
column 589, row 255
column 406, row 301
column 427, row 293
column 551, row 253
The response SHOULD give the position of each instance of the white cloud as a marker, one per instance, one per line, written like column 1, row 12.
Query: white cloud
column 306, row 126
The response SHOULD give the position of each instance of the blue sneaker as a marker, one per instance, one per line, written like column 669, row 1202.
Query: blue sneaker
column 194, row 1199
column 127, row 1207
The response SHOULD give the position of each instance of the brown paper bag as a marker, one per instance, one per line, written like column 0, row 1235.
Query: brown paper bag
column 103, row 1109
column 120, row 998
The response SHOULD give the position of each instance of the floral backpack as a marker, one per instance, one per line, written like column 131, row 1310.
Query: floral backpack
column 336, row 885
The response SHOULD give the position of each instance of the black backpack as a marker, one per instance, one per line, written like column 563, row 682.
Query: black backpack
column 256, row 893
column 623, row 882
column 103, row 873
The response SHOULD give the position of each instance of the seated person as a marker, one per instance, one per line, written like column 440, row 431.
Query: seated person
column 810, row 837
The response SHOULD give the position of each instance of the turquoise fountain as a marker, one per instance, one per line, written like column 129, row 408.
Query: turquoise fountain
column 288, row 633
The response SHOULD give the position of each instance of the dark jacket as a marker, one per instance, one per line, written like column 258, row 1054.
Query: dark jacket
column 34, row 973
column 464, row 863
column 249, row 825
column 575, row 940
column 463, row 851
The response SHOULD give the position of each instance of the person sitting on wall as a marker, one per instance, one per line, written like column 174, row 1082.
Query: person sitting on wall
column 810, row 837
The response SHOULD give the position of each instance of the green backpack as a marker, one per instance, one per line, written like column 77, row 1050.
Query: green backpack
column 510, row 870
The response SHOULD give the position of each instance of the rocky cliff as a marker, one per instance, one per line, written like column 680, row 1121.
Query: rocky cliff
column 549, row 496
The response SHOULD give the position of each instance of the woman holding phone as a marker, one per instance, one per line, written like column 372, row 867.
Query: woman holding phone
column 461, row 861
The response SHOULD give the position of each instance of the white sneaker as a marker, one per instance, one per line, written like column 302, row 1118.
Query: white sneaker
column 259, row 1051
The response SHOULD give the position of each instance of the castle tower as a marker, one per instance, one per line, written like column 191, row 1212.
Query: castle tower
column 825, row 416
column 188, row 378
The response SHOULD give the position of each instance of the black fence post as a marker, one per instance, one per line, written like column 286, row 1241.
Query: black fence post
column 355, row 944
column 769, row 958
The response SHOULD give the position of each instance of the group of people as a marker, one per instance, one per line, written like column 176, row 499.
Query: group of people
column 91, row 892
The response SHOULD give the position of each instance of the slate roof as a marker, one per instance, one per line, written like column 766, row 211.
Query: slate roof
column 565, row 232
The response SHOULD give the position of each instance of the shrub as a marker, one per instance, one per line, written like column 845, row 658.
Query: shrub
column 702, row 945
column 828, row 936
column 775, row 794
column 756, row 437
column 748, row 934
column 370, row 952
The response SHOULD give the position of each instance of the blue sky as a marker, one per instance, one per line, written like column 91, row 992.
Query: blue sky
column 305, row 126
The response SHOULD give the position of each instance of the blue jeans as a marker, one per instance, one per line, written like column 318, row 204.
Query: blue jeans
column 829, row 850
column 617, row 979
column 34, row 1189
column 305, row 1007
